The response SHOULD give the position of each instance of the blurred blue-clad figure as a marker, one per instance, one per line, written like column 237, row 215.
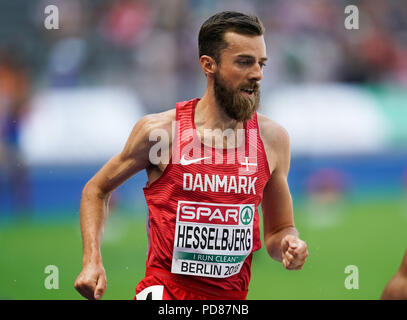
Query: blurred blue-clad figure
column 14, row 95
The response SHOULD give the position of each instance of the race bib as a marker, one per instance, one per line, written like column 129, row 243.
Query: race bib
column 212, row 240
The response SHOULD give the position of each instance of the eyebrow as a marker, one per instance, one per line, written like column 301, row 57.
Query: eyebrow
column 247, row 56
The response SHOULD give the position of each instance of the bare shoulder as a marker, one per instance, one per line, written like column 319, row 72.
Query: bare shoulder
column 140, row 139
column 272, row 133
column 161, row 120
column 153, row 124
column 276, row 144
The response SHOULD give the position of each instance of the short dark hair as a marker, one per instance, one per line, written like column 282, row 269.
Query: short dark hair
column 211, row 35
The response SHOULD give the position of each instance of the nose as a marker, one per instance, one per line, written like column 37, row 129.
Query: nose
column 256, row 74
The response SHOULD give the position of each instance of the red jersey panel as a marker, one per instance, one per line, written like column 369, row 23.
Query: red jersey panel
column 202, row 212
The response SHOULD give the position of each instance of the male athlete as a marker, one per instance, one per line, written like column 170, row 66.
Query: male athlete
column 203, row 223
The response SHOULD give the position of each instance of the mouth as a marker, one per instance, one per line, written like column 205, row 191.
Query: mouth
column 248, row 92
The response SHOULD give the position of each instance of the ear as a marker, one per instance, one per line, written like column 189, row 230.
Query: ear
column 208, row 65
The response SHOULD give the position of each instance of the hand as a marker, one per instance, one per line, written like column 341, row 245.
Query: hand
column 293, row 252
column 91, row 282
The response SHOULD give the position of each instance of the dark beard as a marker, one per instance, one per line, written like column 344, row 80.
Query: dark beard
column 233, row 102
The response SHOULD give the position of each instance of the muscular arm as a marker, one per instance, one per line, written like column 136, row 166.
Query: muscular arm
column 280, row 235
column 96, row 194
column 91, row 282
column 396, row 288
column 277, row 215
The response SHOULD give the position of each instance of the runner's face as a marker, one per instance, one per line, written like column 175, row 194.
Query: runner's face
column 237, row 80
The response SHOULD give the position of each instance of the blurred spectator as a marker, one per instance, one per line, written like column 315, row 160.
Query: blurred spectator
column 326, row 184
column 14, row 93
column 68, row 49
column 126, row 22
column 326, row 190
column 148, row 44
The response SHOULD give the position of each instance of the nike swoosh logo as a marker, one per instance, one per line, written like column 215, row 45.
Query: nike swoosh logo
column 186, row 162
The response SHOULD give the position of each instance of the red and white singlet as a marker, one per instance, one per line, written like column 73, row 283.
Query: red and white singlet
column 203, row 223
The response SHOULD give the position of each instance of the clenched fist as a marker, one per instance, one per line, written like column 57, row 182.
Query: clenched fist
column 91, row 282
column 293, row 252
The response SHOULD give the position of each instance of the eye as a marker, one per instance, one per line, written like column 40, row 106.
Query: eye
column 244, row 62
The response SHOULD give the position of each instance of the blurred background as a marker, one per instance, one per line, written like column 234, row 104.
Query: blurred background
column 69, row 98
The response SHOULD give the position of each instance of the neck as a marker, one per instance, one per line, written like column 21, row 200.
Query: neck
column 209, row 115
